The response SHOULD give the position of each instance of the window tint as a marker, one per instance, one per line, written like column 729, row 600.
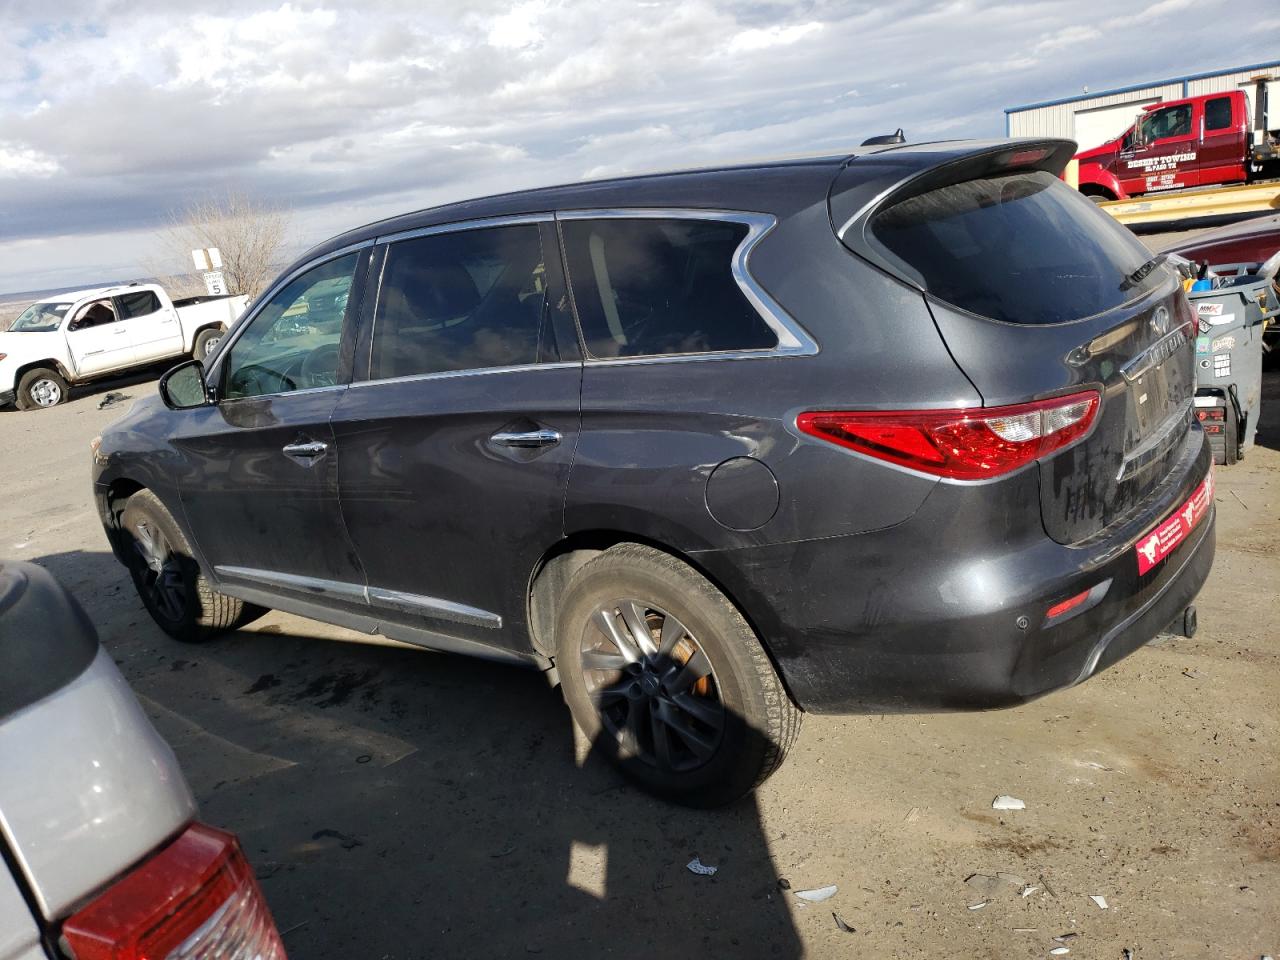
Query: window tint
column 652, row 287
column 1021, row 248
column 461, row 301
column 1217, row 113
column 292, row 342
column 1167, row 122
column 137, row 304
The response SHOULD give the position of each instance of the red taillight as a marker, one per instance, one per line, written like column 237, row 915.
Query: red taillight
column 960, row 444
column 195, row 898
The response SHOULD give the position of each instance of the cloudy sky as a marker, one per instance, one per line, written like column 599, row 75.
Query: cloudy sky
column 115, row 112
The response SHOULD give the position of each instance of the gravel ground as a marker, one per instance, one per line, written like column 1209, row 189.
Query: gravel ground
column 398, row 803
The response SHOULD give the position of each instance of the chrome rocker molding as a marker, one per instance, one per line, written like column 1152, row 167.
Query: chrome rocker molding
column 373, row 596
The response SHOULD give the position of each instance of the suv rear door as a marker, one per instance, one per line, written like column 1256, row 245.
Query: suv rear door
column 457, row 437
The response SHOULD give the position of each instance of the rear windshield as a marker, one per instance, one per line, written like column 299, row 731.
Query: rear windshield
column 1020, row 248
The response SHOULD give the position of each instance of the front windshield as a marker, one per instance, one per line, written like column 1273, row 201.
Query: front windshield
column 40, row 318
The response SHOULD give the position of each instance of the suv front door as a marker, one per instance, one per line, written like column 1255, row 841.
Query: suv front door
column 457, row 437
column 259, row 478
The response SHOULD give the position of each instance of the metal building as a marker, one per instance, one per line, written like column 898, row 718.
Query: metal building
column 1091, row 119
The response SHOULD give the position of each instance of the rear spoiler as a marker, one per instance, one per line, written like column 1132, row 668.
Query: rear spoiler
column 870, row 182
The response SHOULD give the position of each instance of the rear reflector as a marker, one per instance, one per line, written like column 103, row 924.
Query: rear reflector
column 1058, row 609
column 195, row 898
column 969, row 444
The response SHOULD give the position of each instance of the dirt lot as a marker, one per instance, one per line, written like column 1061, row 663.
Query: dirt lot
column 398, row 803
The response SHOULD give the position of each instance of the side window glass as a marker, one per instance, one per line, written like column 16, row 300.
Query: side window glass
column 96, row 314
column 1217, row 113
column 292, row 343
column 461, row 301
column 1170, row 122
column 657, row 287
column 138, row 304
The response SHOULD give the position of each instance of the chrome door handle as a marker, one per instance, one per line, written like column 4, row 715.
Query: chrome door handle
column 307, row 451
column 526, row 438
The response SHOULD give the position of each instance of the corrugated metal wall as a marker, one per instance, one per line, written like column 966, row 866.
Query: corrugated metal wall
column 1059, row 120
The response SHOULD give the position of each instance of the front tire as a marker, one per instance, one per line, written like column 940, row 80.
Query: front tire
column 39, row 389
column 178, row 596
column 668, row 680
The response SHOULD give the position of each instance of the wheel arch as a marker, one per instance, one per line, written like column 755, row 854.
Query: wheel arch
column 558, row 564
column 49, row 363
column 111, row 504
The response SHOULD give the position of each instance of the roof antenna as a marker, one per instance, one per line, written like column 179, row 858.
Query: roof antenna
column 886, row 139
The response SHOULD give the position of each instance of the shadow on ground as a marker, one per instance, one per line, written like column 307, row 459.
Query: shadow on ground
column 398, row 803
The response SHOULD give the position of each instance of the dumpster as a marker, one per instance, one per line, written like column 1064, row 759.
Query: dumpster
column 1232, row 315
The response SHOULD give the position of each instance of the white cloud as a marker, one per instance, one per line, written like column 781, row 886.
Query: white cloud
column 25, row 162
column 122, row 110
column 764, row 37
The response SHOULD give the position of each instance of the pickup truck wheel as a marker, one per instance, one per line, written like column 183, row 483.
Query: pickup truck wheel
column 40, row 388
column 168, row 580
column 204, row 343
column 667, row 679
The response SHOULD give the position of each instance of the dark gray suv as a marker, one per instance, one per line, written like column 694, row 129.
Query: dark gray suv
column 908, row 429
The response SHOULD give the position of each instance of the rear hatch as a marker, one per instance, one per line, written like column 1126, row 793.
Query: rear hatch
column 1036, row 292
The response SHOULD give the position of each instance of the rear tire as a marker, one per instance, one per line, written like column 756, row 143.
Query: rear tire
column 178, row 596
column 668, row 681
column 204, row 343
column 40, row 388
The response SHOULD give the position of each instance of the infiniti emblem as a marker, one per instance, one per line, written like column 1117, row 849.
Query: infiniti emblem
column 1160, row 321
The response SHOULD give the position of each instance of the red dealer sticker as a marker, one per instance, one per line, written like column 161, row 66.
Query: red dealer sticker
column 1164, row 539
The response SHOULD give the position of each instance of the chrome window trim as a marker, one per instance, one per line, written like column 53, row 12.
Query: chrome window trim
column 241, row 325
column 468, row 372
column 374, row 596
column 793, row 339
column 460, row 226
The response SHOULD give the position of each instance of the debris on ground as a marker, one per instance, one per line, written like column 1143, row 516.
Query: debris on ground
column 818, row 894
column 983, row 884
column 1028, row 890
column 1128, row 954
column 1065, row 938
column 1191, row 674
column 784, row 883
column 1100, row 901
column 847, row 928
column 1011, row 878
column 1006, row 802
column 504, row 852
column 1026, row 929
column 912, row 815
column 111, row 399
column 344, row 840
column 701, row 869
column 979, row 905
column 1059, row 951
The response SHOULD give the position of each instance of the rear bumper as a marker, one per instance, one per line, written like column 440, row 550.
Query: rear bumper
column 947, row 611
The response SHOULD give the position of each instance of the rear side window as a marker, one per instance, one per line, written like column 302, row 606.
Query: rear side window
column 1019, row 248
column 656, row 287
column 1217, row 113
column 137, row 304
column 462, row 301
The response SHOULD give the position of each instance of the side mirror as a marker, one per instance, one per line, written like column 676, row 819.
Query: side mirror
column 183, row 387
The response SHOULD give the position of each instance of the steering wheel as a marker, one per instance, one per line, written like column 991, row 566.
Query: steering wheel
column 320, row 368
column 256, row 380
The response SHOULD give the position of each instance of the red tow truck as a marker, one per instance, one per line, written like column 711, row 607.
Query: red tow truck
column 1198, row 141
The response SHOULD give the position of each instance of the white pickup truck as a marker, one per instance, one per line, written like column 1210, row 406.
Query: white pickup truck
column 81, row 336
